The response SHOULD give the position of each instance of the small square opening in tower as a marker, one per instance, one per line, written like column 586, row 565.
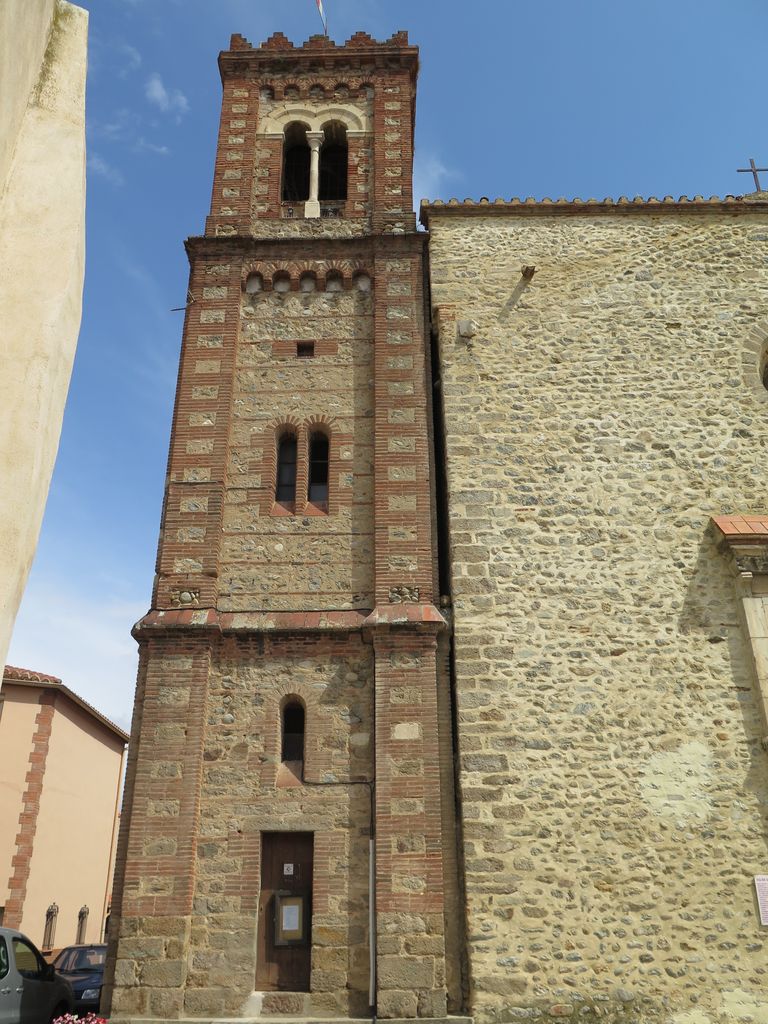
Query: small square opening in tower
column 305, row 349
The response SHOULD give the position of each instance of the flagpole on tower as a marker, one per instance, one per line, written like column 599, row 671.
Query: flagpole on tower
column 322, row 13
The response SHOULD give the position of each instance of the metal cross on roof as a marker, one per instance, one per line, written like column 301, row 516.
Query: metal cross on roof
column 753, row 171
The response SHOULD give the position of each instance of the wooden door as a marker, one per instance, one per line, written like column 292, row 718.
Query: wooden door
column 286, row 870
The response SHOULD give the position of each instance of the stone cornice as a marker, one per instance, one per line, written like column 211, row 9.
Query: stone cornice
column 201, row 620
column 208, row 620
column 223, row 246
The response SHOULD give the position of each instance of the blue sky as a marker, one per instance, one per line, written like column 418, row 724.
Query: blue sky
column 545, row 98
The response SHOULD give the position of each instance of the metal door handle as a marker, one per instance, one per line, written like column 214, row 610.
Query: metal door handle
column 21, row 989
column 5, row 991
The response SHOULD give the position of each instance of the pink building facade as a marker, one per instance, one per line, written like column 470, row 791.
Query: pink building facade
column 61, row 766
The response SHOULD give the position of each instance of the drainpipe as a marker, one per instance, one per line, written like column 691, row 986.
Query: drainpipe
column 372, row 921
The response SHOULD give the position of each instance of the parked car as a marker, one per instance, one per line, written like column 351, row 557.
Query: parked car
column 31, row 992
column 83, row 968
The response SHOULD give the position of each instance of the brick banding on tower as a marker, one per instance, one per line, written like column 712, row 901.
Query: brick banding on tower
column 257, row 599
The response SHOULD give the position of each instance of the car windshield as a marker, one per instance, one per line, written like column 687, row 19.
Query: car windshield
column 81, row 958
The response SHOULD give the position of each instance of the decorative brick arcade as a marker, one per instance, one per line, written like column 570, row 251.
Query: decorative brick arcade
column 306, row 319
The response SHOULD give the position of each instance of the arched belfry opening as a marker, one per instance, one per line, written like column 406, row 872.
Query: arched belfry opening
column 296, row 159
column 333, row 162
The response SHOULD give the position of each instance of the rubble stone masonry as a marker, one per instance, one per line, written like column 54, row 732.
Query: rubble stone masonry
column 612, row 778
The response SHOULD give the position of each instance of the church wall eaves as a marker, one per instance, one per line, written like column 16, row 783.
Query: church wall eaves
column 430, row 209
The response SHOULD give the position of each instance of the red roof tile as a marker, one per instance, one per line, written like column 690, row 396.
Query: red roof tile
column 743, row 527
column 26, row 677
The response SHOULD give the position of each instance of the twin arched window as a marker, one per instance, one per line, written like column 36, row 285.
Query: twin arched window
column 333, row 163
column 317, row 470
column 317, row 488
column 285, row 488
column 297, row 162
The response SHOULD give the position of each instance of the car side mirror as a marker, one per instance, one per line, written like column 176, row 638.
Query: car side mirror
column 49, row 972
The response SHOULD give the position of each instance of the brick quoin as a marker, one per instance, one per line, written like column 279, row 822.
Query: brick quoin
column 334, row 606
column 25, row 838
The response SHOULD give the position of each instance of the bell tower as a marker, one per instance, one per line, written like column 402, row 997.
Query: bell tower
column 288, row 843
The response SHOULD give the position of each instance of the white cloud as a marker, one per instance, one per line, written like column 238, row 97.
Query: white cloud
column 125, row 126
column 132, row 59
column 122, row 126
column 170, row 101
column 143, row 145
column 99, row 166
column 429, row 173
column 85, row 641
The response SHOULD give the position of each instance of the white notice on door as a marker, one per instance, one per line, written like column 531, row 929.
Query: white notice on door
column 291, row 917
column 287, row 869
column 761, row 889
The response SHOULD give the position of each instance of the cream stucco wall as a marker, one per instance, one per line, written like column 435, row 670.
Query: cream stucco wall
column 42, row 201
column 18, row 709
column 24, row 29
column 71, row 858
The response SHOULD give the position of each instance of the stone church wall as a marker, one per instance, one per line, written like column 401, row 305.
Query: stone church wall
column 612, row 780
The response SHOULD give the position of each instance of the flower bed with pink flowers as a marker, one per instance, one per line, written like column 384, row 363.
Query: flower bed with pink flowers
column 71, row 1018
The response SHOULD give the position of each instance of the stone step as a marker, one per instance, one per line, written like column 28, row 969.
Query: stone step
column 290, row 1020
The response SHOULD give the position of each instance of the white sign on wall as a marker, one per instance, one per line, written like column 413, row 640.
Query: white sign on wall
column 761, row 890
column 290, row 918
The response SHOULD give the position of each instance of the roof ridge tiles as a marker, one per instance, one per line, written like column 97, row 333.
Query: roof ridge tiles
column 754, row 201
column 15, row 672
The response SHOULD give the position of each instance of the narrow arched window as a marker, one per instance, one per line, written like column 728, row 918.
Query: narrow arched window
column 82, row 925
column 49, row 934
column 285, row 486
column 293, row 732
column 319, row 450
column 295, row 163
column 333, row 162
